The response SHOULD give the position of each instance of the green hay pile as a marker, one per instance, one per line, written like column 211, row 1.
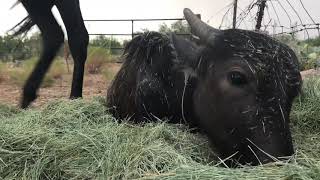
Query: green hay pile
column 79, row 140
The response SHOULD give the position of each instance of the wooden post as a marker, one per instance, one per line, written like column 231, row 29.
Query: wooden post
column 235, row 7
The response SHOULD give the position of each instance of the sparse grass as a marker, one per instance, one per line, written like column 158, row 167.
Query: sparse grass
column 306, row 112
column 18, row 75
column 97, row 58
column 108, row 72
column 98, row 61
column 2, row 71
column 79, row 140
column 57, row 69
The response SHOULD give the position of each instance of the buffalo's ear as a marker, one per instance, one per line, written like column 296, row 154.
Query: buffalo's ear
column 187, row 52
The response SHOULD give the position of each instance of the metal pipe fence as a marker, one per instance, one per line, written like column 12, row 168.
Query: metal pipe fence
column 132, row 34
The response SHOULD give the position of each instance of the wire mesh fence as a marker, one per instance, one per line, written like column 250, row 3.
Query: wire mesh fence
column 279, row 17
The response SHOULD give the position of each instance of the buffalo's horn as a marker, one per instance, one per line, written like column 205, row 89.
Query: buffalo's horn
column 199, row 28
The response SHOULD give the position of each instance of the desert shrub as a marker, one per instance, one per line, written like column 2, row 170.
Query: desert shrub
column 310, row 64
column 97, row 57
column 308, row 51
column 106, row 43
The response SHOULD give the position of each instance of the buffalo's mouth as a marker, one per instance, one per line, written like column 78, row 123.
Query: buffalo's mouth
column 251, row 154
column 258, row 155
column 241, row 146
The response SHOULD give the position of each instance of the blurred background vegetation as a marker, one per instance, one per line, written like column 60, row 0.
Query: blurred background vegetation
column 308, row 51
column 18, row 55
column 17, row 49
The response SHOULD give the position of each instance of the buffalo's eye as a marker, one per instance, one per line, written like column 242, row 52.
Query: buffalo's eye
column 237, row 78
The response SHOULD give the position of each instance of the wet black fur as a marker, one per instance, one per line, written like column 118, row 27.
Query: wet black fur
column 157, row 68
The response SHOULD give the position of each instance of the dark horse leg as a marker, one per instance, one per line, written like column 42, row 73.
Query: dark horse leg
column 52, row 35
column 52, row 38
column 78, row 39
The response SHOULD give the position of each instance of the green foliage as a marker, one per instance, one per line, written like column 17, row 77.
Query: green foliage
column 2, row 48
column 34, row 45
column 12, row 48
column 179, row 27
column 16, row 48
column 308, row 51
column 310, row 56
column 313, row 42
column 97, row 58
column 290, row 41
column 106, row 43
column 164, row 28
column 80, row 140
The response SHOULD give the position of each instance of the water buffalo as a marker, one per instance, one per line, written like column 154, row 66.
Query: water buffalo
column 236, row 86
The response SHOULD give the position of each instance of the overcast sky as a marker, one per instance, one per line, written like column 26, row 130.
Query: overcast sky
column 211, row 11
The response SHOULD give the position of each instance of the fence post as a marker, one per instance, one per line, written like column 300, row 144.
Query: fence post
column 132, row 29
column 260, row 14
column 235, row 7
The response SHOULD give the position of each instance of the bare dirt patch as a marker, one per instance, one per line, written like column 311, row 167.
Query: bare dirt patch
column 94, row 85
column 310, row 72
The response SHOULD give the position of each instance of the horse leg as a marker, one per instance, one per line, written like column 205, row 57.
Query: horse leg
column 78, row 39
column 52, row 38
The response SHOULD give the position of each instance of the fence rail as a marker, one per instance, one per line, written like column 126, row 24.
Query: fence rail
column 132, row 34
column 278, row 29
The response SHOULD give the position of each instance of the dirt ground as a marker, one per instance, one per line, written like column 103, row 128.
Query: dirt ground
column 94, row 85
column 310, row 72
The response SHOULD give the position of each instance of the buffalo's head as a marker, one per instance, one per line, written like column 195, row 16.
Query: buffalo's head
column 245, row 85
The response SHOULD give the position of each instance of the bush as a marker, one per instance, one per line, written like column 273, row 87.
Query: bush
column 308, row 51
column 97, row 57
column 106, row 43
